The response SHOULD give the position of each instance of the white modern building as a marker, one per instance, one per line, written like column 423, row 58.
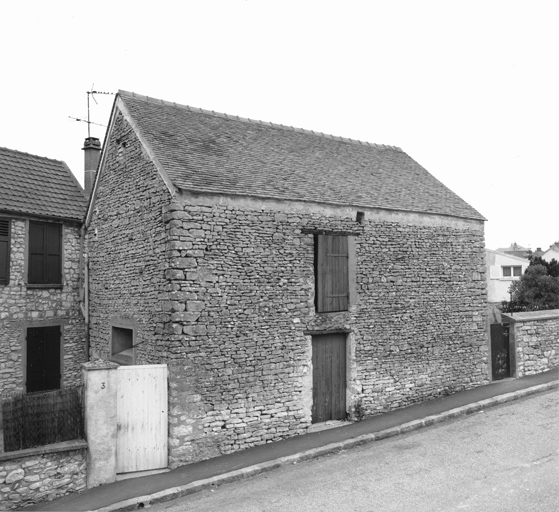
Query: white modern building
column 502, row 271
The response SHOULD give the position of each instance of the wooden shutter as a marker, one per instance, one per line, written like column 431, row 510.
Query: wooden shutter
column 43, row 358
column 332, row 274
column 36, row 253
column 53, row 254
column 45, row 253
column 4, row 251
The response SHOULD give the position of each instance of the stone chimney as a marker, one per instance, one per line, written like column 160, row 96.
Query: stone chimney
column 92, row 153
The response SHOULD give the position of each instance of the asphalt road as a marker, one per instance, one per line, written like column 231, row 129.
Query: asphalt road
column 505, row 458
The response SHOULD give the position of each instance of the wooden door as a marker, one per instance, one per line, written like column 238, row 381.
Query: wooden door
column 500, row 356
column 43, row 358
column 141, row 418
column 329, row 377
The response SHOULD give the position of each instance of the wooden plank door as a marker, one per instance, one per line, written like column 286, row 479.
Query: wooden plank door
column 142, row 418
column 329, row 377
column 500, row 356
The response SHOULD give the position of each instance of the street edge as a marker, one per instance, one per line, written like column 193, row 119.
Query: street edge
column 208, row 483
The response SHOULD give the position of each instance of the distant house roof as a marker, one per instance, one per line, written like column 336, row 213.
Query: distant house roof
column 39, row 186
column 516, row 250
column 513, row 247
column 204, row 151
column 503, row 256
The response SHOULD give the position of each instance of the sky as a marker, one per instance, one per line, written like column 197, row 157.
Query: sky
column 470, row 90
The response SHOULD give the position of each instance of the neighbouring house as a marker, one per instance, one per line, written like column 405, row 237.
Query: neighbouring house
column 502, row 270
column 538, row 253
column 552, row 253
column 42, row 331
column 286, row 277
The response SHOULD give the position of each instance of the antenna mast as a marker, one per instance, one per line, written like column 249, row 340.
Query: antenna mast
column 91, row 94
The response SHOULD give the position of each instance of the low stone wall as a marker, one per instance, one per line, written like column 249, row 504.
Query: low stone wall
column 535, row 335
column 39, row 474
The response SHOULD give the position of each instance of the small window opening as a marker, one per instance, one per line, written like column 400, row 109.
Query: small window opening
column 122, row 346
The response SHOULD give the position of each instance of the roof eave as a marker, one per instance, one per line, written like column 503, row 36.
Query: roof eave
column 34, row 216
column 199, row 190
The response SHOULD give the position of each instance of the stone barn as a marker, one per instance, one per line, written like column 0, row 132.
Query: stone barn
column 288, row 278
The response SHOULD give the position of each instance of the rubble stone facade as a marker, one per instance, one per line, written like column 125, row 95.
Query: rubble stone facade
column 22, row 307
column 41, row 476
column 222, row 289
column 535, row 335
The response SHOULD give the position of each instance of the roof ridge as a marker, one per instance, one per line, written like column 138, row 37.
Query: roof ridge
column 259, row 122
column 31, row 154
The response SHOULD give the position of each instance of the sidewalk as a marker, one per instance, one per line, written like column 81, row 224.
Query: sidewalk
column 139, row 492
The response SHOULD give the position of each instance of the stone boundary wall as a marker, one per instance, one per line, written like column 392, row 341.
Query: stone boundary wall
column 40, row 474
column 22, row 307
column 536, row 338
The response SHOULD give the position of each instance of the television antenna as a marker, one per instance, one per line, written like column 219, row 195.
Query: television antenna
column 91, row 94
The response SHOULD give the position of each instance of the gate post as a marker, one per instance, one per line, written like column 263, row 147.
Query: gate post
column 100, row 393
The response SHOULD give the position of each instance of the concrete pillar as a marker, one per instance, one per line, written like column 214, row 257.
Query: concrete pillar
column 100, row 390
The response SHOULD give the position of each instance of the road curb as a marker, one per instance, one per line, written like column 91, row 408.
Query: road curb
column 240, row 474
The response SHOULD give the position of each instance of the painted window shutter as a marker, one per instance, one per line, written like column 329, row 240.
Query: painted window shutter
column 43, row 358
column 45, row 253
column 4, row 251
column 53, row 254
column 494, row 272
column 332, row 274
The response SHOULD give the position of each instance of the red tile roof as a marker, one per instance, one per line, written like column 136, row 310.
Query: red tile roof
column 210, row 152
column 39, row 186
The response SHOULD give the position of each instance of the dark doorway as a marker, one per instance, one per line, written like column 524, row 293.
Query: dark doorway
column 43, row 358
column 500, row 354
column 329, row 377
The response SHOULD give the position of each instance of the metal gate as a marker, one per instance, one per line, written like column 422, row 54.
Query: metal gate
column 500, row 354
column 141, row 418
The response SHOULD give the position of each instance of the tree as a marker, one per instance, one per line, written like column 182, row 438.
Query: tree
column 536, row 289
column 551, row 266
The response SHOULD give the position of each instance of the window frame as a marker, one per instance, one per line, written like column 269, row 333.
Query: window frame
column 44, row 278
column 5, row 238
column 512, row 269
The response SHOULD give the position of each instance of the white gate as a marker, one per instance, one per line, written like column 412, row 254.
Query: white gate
column 141, row 418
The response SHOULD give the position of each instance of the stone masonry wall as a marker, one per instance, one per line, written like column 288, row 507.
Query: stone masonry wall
column 41, row 477
column 22, row 307
column 243, row 302
column 126, row 241
column 537, row 341
column 222, row 289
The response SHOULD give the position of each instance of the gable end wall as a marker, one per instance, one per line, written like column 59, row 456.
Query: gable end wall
column 127, row 248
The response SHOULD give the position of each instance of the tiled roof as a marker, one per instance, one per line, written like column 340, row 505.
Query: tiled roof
column 39, row 186
column 209, row 152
